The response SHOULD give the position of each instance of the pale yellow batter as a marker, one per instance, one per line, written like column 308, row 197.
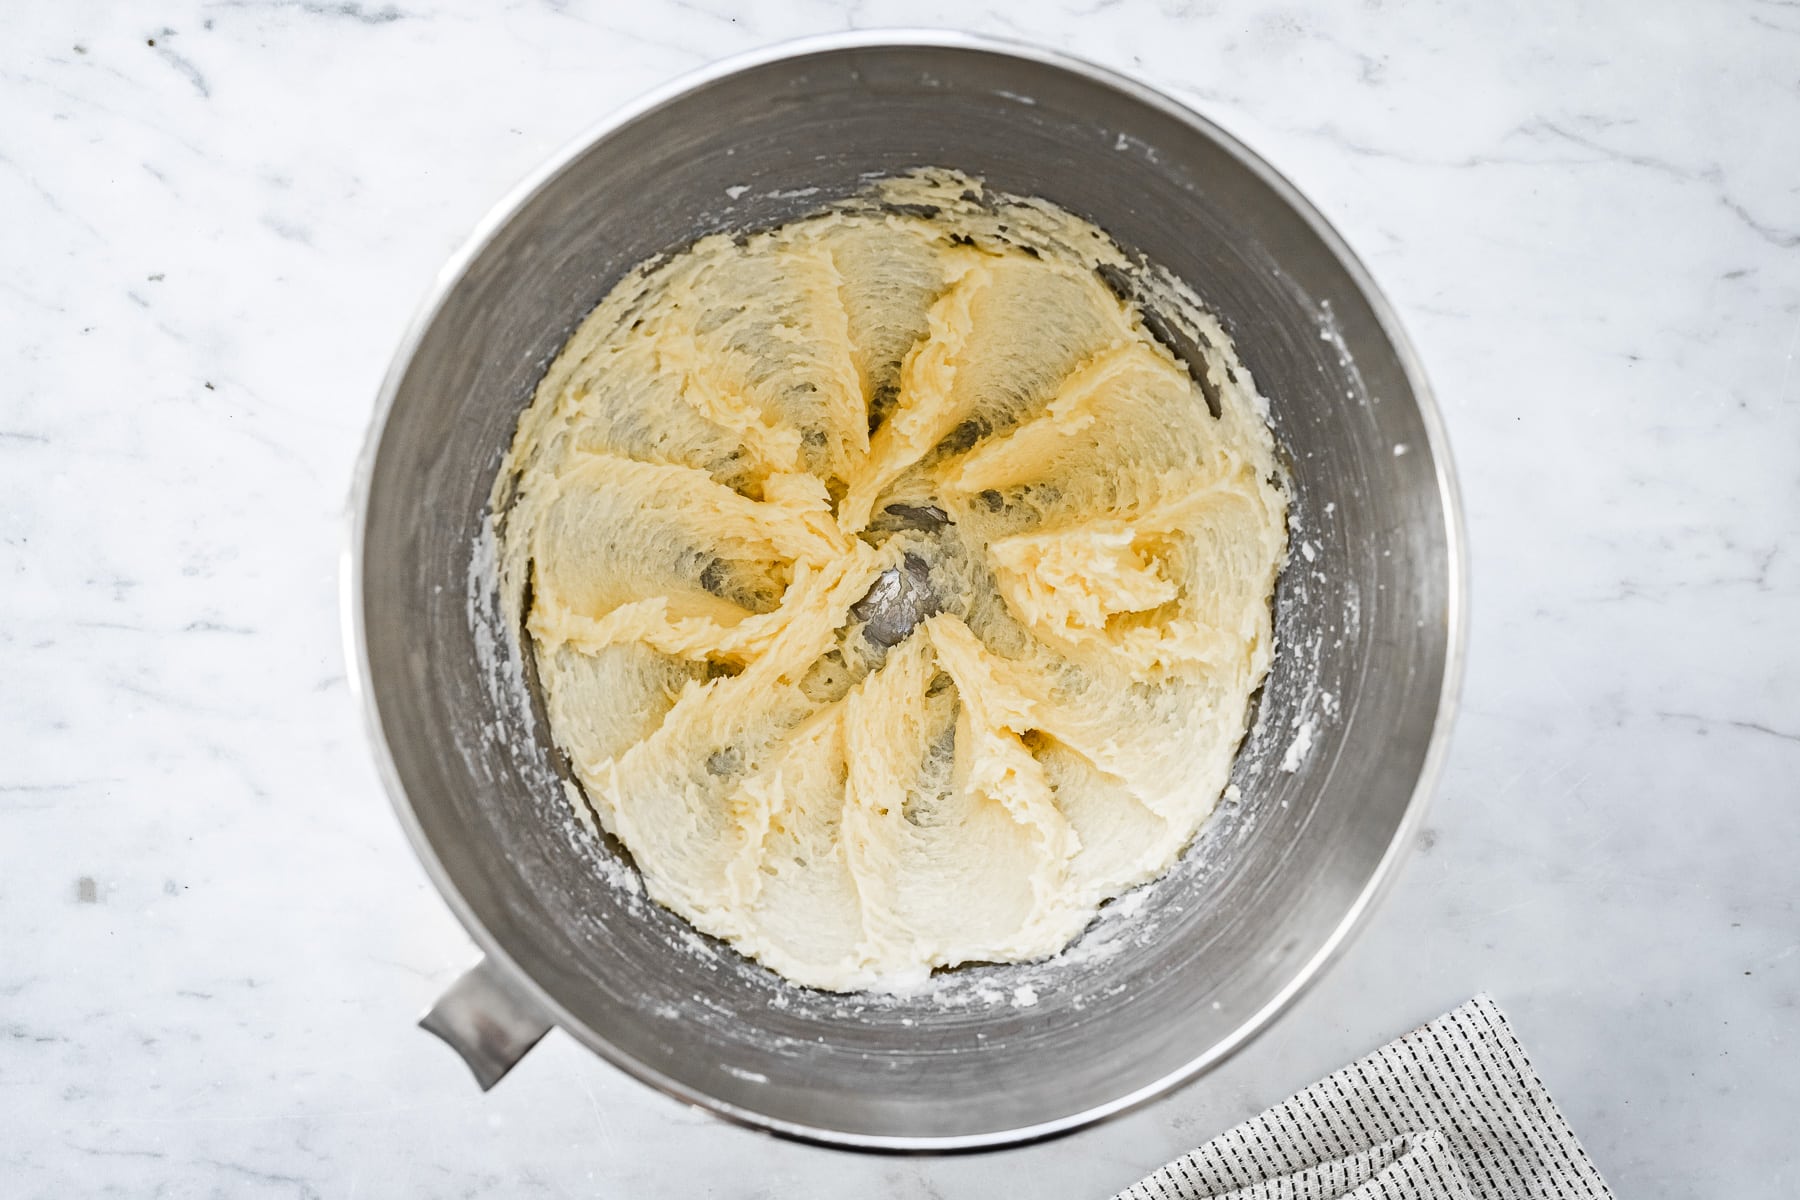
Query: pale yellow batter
column 896, row 597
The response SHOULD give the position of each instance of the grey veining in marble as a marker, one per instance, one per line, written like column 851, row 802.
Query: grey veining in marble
column 215, row 219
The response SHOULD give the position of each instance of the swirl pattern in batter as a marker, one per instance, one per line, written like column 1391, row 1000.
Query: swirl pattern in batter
column 895, row 596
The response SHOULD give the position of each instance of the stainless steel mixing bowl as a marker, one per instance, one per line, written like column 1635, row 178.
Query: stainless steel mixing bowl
column 1352, row 723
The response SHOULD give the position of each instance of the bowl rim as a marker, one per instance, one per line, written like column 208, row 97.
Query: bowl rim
column 1456, row 605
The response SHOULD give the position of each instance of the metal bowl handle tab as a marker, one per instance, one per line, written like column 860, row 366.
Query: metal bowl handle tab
column 485, row 1019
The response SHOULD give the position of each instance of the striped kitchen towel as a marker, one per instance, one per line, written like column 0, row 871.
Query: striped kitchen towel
column 1451, row 1111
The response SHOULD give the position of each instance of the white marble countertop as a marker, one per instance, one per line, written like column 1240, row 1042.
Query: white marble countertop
column 218, row 217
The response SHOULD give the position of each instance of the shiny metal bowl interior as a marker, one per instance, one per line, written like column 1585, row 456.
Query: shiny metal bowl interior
column 1369, row 622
